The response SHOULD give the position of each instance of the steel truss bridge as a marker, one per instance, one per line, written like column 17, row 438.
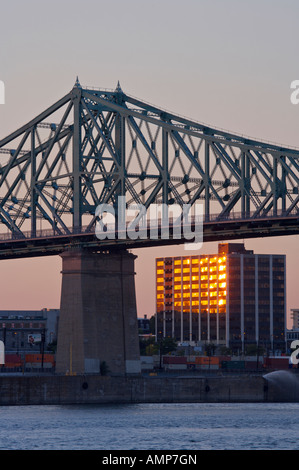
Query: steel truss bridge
column 94, row 145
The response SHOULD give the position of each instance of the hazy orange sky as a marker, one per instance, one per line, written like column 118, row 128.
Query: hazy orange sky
column 228, row 64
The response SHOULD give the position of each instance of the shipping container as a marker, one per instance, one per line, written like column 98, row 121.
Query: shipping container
column 175, row 366
column 12, row 361
column 276, row 363
column 207, row 366
column 224, row 358
column 13, row 365
column 174, row 360
column 38, row 365
column 39, row 358
column 13, row 358
column 207, row 360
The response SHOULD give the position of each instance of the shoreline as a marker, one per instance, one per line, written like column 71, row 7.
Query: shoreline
column 96, row 389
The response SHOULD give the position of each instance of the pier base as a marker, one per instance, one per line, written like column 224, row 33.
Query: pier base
column 98, row 317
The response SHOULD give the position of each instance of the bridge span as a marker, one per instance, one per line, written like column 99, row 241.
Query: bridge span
column 94, row 146
column 48, row 243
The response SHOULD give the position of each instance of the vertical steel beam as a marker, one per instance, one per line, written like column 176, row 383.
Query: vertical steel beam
column 283, row 184
column 120, row 149
column 32, row 184
column 275, row 186
column 248, row 185
column 207, row 181
column 245, row 185
column 77, row 157
column 123, row 154
column 165, row 174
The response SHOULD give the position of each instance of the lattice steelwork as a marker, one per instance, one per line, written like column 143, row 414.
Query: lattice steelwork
column 106, row 144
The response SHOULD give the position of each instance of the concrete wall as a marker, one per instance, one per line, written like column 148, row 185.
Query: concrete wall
column 31, row 390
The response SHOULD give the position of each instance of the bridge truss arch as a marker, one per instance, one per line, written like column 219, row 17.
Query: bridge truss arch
column 94, row 145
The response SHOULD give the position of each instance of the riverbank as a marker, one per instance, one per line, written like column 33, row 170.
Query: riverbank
column 95, row 389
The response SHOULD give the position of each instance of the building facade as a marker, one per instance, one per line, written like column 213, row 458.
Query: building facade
column 233, row 298
column 144, row 325
column 295, row 318
column 27, row 330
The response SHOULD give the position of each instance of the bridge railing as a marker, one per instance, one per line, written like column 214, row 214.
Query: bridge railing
column 153, row 224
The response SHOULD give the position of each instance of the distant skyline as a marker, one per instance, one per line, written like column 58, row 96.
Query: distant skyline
column 228, row 64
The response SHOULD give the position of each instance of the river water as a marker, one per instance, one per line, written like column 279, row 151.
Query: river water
column 151, row 427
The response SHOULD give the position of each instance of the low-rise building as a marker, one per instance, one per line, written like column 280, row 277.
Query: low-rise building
column 28, row 330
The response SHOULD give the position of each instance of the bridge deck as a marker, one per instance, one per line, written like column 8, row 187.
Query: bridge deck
column 47, row 243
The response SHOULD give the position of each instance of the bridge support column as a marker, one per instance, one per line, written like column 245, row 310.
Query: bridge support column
column 98, row 317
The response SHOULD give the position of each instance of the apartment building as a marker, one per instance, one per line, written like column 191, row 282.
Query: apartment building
column 234, row 298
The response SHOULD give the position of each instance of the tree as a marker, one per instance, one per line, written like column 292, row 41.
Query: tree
column 146, row 346
column 210, row 349
column 254, row 350
column 167, row 345
column 225, row 351
column 52, row 347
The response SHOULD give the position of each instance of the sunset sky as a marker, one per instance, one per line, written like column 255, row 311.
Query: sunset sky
column 228, row 64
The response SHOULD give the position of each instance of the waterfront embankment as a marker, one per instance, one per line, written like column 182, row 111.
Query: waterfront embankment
column 96, row 389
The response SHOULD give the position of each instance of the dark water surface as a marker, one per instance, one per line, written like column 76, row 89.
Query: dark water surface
column 150, row 427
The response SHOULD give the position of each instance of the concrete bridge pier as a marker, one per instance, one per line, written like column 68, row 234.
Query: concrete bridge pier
column 98, row 316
